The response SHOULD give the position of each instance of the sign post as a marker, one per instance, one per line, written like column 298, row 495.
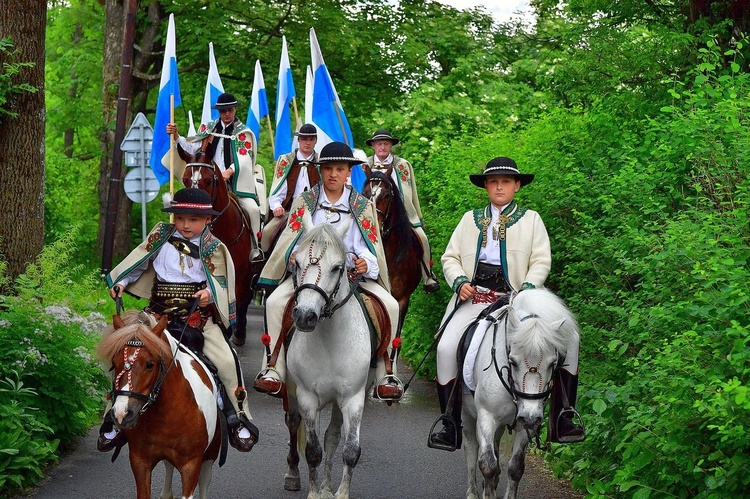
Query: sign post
column 140, row 184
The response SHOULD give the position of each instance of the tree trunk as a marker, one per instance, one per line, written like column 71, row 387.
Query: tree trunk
column 22, row 138
column 114, row 31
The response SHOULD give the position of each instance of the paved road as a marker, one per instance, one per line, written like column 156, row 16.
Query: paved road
column 395, row 460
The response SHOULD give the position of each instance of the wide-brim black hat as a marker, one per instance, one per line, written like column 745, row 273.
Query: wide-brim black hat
column 307, row 130
column 337, row 152
column 191, row 201
column 225, row 101
column 501, row 166
column 382, row 134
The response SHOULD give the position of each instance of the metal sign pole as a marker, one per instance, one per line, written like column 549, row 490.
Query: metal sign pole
column 144, row 199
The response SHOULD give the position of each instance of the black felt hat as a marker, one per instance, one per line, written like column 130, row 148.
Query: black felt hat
column 191, row 201
column 225, row 101
column 307, row 130
column 337, row 152
column 501, row 166
column 382, row 134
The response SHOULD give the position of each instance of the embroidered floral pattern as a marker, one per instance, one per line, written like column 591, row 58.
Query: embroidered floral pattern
column 209, row 264
column 203, row 128
column 403, row 171
column 244, row 145
column 280, row 167
column 369, row 230
column 295, row 219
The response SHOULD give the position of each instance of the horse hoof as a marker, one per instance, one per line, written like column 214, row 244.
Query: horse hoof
column 238, row 341
column 292, row 484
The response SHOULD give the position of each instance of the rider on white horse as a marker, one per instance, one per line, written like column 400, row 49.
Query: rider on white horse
column 175, row 263
column 493, row 252
column 233, row 147
column 330, row 201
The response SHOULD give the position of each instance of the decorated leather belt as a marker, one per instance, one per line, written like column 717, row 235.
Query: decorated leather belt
column 490, row 277
column 484, row 295
column 175, row 300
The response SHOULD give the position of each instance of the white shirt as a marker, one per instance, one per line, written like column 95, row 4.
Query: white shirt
column 388, row 161
column 166, row 263
column 354, row 241
column 491, row 251
column 303, row 184
column 193, row 147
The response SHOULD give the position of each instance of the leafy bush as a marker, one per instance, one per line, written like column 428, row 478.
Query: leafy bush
column 47, row 364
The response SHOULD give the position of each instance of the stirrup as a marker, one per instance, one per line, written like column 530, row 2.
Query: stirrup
column 451, row 423
column 574, row 438
column 389, row 380
column 271, row 369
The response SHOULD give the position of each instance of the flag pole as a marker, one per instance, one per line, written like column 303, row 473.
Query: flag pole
column 270, row 134
column 296, row 113
column 171, row 155
column 341, row 124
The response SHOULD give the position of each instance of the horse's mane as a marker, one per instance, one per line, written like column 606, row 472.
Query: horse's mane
column 401, row 230
column 533, row 331
column 323, row 234
column 138, row 326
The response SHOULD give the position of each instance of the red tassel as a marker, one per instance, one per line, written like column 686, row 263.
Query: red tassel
column 265, row 339
column 396, row 342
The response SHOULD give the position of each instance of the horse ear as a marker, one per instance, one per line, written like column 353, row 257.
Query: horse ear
column 558, row 324
column 307, row 224
column 341, row 230
column 117, row 321
column 161, row 326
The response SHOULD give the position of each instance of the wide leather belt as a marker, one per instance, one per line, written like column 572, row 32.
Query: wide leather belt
column 490, row 277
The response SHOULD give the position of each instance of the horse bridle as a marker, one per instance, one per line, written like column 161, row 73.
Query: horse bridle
column 194, row 183
column 328, row 309
column 389, row 193
column 127, row 368
column 510, row 385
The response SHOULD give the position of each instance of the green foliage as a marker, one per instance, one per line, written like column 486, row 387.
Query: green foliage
column 9, row 84
column 50, row 380
column 24, row 445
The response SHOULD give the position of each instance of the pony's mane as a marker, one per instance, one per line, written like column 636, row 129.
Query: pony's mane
column 138, row 326
column 536, row 310
column 401, row 230
column 323, row 234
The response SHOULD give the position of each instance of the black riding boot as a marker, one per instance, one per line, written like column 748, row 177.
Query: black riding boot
column 563, row 428
column 449, row 437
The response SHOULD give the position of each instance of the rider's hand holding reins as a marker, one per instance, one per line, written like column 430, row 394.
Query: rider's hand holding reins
column 116, row 291
column 466, row 291
column 203, row 296
column 279, row 212
column 360, row 265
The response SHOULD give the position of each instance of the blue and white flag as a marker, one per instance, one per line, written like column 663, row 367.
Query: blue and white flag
column 258, row 108
column 284, row 95
column 214, row 89
column 327, row 112
column 168, row 87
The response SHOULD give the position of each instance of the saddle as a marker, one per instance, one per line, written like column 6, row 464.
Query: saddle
column 468, row 336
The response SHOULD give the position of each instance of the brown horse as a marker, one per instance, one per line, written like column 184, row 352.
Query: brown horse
column 180, row 427
column 232, row 228
column 403, row 252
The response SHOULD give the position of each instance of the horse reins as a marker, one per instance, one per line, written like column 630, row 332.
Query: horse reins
column 383, row 230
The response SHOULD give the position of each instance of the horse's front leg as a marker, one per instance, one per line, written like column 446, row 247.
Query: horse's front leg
column 190, row 473
column 292, row 420
column 471, row 447
column 166, row 491
column 331, row 443
column 517, row 463
column 352, row 420
column 207, row 472
column 488, row 465
column 313, row 450
column 142, row 469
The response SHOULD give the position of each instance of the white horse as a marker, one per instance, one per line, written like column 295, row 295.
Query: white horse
column 521, row 349
column 328, row 360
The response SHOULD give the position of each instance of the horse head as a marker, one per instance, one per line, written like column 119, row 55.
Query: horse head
column 538, row 330
column 138, row 350
column 321, row 282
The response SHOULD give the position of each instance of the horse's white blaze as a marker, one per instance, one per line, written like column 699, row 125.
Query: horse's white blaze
column 121, row 405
